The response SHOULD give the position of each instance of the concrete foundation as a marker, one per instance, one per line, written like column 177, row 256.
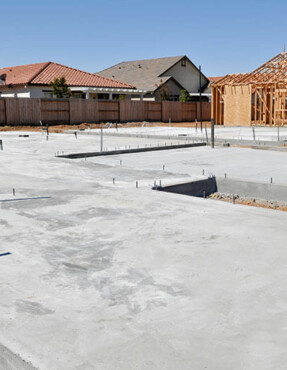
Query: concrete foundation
column 201, row 188
column 109, row 275
column 252, row 189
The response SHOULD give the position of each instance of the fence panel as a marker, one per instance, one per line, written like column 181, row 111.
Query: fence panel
column 91, row 109
column 84, row 110
column 2, row 112
column 206, row 111
column 30, row 111
column 26, row 111
column 189, row 112
column 152, row 110
column 55, row 111
column 109, row 111
column 171, row 110
column 131, row 110
column 22, row 111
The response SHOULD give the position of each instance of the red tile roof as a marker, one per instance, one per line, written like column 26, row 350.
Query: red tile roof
column 44, row 73
column 21, row 75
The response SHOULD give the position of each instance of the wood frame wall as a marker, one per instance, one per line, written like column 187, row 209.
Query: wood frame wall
column 268, row 105
column 268, row 85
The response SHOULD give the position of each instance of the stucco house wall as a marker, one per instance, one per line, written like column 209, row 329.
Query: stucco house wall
column 14, row 93
column 46, row 92
column 25, row 92
column 172, row 89
column 187, row 76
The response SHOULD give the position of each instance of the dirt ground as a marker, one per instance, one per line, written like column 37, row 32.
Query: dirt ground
column 278, row 206
column 61, row 128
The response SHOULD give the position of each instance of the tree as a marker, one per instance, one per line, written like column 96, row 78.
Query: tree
column 184, row 96
column 60, row 88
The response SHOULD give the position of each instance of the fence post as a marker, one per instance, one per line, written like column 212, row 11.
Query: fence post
column 69, row 111
column 119, row 110
column 206, row 132
column 212, row 132
column 5, row 111
column 101, row 140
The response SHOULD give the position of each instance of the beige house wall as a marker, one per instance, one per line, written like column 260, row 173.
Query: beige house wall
column 187, row 76
column 237, row 106
column 170, row 87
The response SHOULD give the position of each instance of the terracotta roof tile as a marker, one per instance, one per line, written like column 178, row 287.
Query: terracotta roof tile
column 44, row 73
column 21, row 75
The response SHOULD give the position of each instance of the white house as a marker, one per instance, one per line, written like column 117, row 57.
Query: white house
column 32, row 81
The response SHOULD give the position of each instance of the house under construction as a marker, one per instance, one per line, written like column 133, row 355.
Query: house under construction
column 256, row 98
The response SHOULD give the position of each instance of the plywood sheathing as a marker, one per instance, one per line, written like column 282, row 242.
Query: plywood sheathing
column 265, row 100
column 237, row 106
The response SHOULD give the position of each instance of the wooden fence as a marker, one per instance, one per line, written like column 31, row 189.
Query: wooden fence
column 24, row 111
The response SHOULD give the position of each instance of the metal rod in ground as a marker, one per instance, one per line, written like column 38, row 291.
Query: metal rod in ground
column 253, row 131
column 114, row 180
column 14, row 192
column 200, row 100
column 278, row 133
column 137, row 184
column 101, row 140
column 195, row 124
column 206, row 132
column 271, row 180
column 1, row 145
column 233, row 199
column 212, row 132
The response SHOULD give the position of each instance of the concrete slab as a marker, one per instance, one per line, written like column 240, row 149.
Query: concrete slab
column 110, row 276
column 221, row 132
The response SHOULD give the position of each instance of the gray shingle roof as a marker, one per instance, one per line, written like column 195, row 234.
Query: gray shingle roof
column 144, row 74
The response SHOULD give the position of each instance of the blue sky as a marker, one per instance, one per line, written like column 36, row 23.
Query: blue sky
column 223, row 36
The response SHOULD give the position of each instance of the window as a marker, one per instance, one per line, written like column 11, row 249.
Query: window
column 48, row 94
column 78, row 95
column 103, row 96
column 183, row 63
